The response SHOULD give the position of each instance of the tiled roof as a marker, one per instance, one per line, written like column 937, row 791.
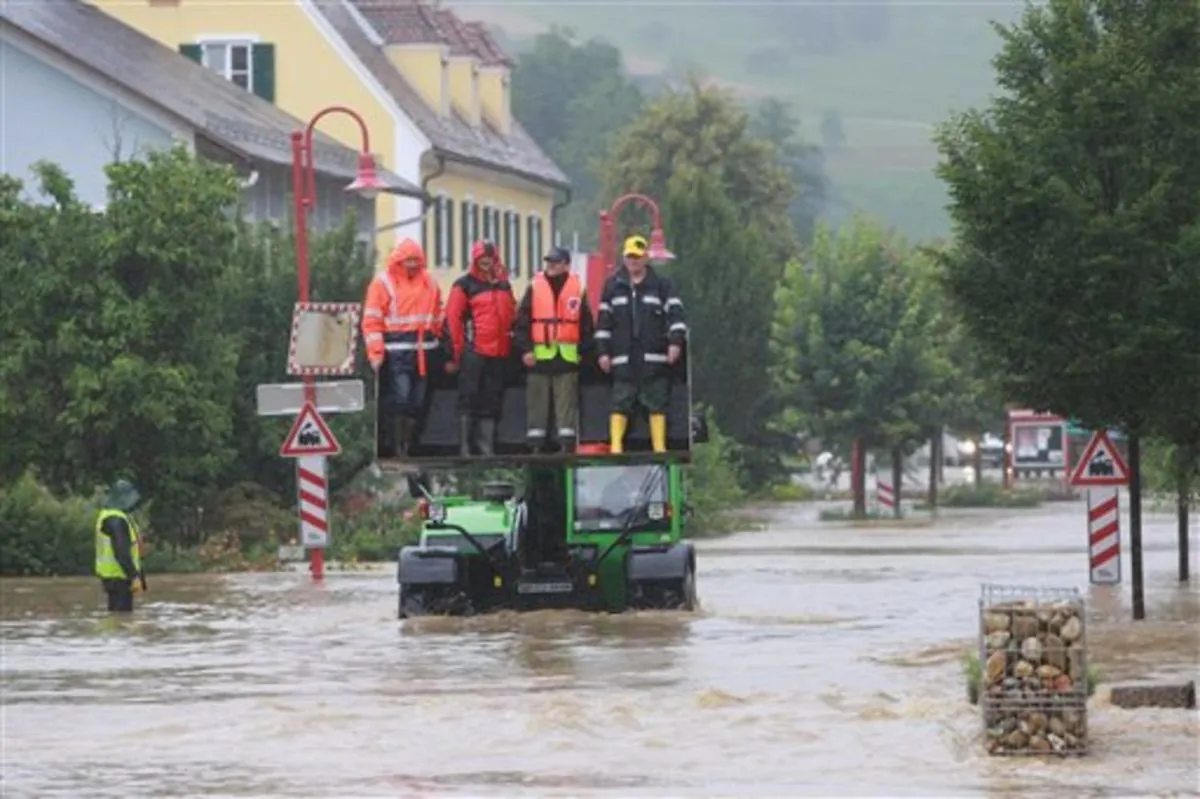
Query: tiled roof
column 489, row 51
column 451, row 136
column 402, row 21
column 455, row 33
column 217, row 109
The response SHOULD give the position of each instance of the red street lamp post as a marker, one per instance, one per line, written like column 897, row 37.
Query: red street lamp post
column 304, row 196
column 608, row 232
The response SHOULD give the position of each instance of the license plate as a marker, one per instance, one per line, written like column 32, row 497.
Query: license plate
column 545, row 588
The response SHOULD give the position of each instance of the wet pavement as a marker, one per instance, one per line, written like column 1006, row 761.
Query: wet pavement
column 825, row 662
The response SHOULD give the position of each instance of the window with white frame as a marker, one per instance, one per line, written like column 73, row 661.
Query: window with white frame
column 232, row 60
column 533, row 237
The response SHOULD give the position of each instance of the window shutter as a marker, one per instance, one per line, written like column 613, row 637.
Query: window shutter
column 465, row 243
column 439, row 221
column 531, row 255
column 262, row 66
column 516, row 242
column 192, row 51
column 450, row 231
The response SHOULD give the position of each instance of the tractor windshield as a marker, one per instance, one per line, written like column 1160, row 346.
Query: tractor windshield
column 605, row 494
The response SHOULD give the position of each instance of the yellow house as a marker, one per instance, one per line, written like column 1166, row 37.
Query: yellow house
column 432, row 90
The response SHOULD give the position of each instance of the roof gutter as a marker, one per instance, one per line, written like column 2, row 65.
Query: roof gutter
column 492, row 166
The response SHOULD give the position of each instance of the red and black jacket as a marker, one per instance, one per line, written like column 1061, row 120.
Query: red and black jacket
column 481, row 308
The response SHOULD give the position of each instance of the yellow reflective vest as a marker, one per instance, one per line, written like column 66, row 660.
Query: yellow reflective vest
column 107, row 567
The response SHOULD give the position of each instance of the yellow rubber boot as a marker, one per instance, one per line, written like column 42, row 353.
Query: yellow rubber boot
column 616, row 433
column 658, row 432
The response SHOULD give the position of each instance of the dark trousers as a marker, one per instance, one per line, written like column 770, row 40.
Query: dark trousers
column 481, row 386
column 547, row 391
column 402, row 387
column 651, row 392
column 120, row 595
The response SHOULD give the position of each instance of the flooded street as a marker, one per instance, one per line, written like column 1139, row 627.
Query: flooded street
column 825, row 661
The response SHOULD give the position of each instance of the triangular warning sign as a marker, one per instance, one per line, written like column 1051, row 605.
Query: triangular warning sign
column 1101, row 464
column 309, row 436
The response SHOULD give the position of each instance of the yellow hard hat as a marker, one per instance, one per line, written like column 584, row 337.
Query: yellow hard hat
column 636, row 245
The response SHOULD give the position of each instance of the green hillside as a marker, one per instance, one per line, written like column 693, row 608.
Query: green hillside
column 886, row 71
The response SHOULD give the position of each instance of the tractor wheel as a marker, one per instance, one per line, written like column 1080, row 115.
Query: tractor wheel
column 412, row 603
column 688, row 599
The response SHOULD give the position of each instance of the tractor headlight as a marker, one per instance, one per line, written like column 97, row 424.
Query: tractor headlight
column 437, row 513
column 657, row 511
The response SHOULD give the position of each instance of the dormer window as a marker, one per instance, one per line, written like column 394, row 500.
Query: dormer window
column 243, row 61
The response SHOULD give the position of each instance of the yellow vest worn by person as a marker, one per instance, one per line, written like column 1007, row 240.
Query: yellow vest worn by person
column 107, row 567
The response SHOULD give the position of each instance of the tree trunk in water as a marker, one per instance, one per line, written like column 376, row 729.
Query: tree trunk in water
column 935, row 457
column 897, row 479
column 858, row 476
column 977, row 463
column 1182, row 509
column 1135, row 525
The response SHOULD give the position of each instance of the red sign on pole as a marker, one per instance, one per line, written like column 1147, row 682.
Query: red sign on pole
column 309, row 436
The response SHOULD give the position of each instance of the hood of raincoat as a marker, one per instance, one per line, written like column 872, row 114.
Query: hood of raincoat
column 405, row 249
column 482, row 249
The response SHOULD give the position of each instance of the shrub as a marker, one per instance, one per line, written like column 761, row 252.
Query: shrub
column 711, row 485
column 987, row 495
column 41, row 534
column 791, row 492
column 375, row 534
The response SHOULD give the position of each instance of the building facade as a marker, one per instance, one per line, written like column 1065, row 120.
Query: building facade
column 434, row 94
column 92, row 90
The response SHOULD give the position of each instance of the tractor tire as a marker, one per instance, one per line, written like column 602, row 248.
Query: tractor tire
column 412, row 604
column 688, row 596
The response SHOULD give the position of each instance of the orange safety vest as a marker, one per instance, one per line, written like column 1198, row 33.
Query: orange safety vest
column 556, row 323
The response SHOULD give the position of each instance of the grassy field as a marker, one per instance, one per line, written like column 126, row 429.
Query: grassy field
column 927, row 58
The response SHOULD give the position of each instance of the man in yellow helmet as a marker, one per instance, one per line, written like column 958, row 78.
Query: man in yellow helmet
column 118, row 547
column 640, row 331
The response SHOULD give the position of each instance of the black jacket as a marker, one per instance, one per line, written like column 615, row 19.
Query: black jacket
column 638, row 323
column 523, row 337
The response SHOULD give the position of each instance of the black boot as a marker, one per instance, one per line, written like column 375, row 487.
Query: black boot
column 487, row 436
column 464, row 436
column 387, row 436
column 405, row 435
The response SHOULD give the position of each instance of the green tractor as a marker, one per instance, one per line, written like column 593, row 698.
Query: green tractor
column 595, row 535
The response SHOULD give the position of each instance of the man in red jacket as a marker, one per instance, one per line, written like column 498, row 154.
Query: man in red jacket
column 479, row 313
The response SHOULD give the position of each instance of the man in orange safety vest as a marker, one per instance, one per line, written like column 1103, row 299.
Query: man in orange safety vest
column 402, row 328
column 553, row 333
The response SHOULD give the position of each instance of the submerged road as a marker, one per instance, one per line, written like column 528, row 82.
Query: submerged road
column 825, row 662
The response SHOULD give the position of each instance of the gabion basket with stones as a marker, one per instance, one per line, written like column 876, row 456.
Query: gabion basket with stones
column 1033, row 648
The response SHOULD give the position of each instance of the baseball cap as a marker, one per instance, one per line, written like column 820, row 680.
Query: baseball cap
column 635, row 245
column 559, row 255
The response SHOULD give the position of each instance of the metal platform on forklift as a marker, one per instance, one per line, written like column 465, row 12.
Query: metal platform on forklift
column 516, row 460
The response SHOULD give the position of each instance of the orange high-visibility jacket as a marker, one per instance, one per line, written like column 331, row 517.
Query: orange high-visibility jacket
column 556, row 321
column 402, row 313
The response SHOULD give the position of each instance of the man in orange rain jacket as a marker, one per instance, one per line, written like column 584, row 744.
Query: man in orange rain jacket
column 480, row 314
column 402, row 327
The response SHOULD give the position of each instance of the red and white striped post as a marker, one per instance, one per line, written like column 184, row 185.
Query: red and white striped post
column 313, row 501
column 1104, row 535
column 885, row 494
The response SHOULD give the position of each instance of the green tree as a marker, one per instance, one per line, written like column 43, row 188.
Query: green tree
column 573, row 98
column 1076, row 197
column 850, row 344
column 704, row 129
column 123, row 335
column 773, row 121
column 726, row 279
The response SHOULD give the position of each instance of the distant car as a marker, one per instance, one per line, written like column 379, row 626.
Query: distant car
column 990, row 448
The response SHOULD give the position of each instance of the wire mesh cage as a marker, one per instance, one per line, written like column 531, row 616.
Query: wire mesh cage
column 1033, row 651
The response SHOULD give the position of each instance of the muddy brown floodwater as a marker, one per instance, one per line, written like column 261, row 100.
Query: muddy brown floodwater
column 825, row 662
